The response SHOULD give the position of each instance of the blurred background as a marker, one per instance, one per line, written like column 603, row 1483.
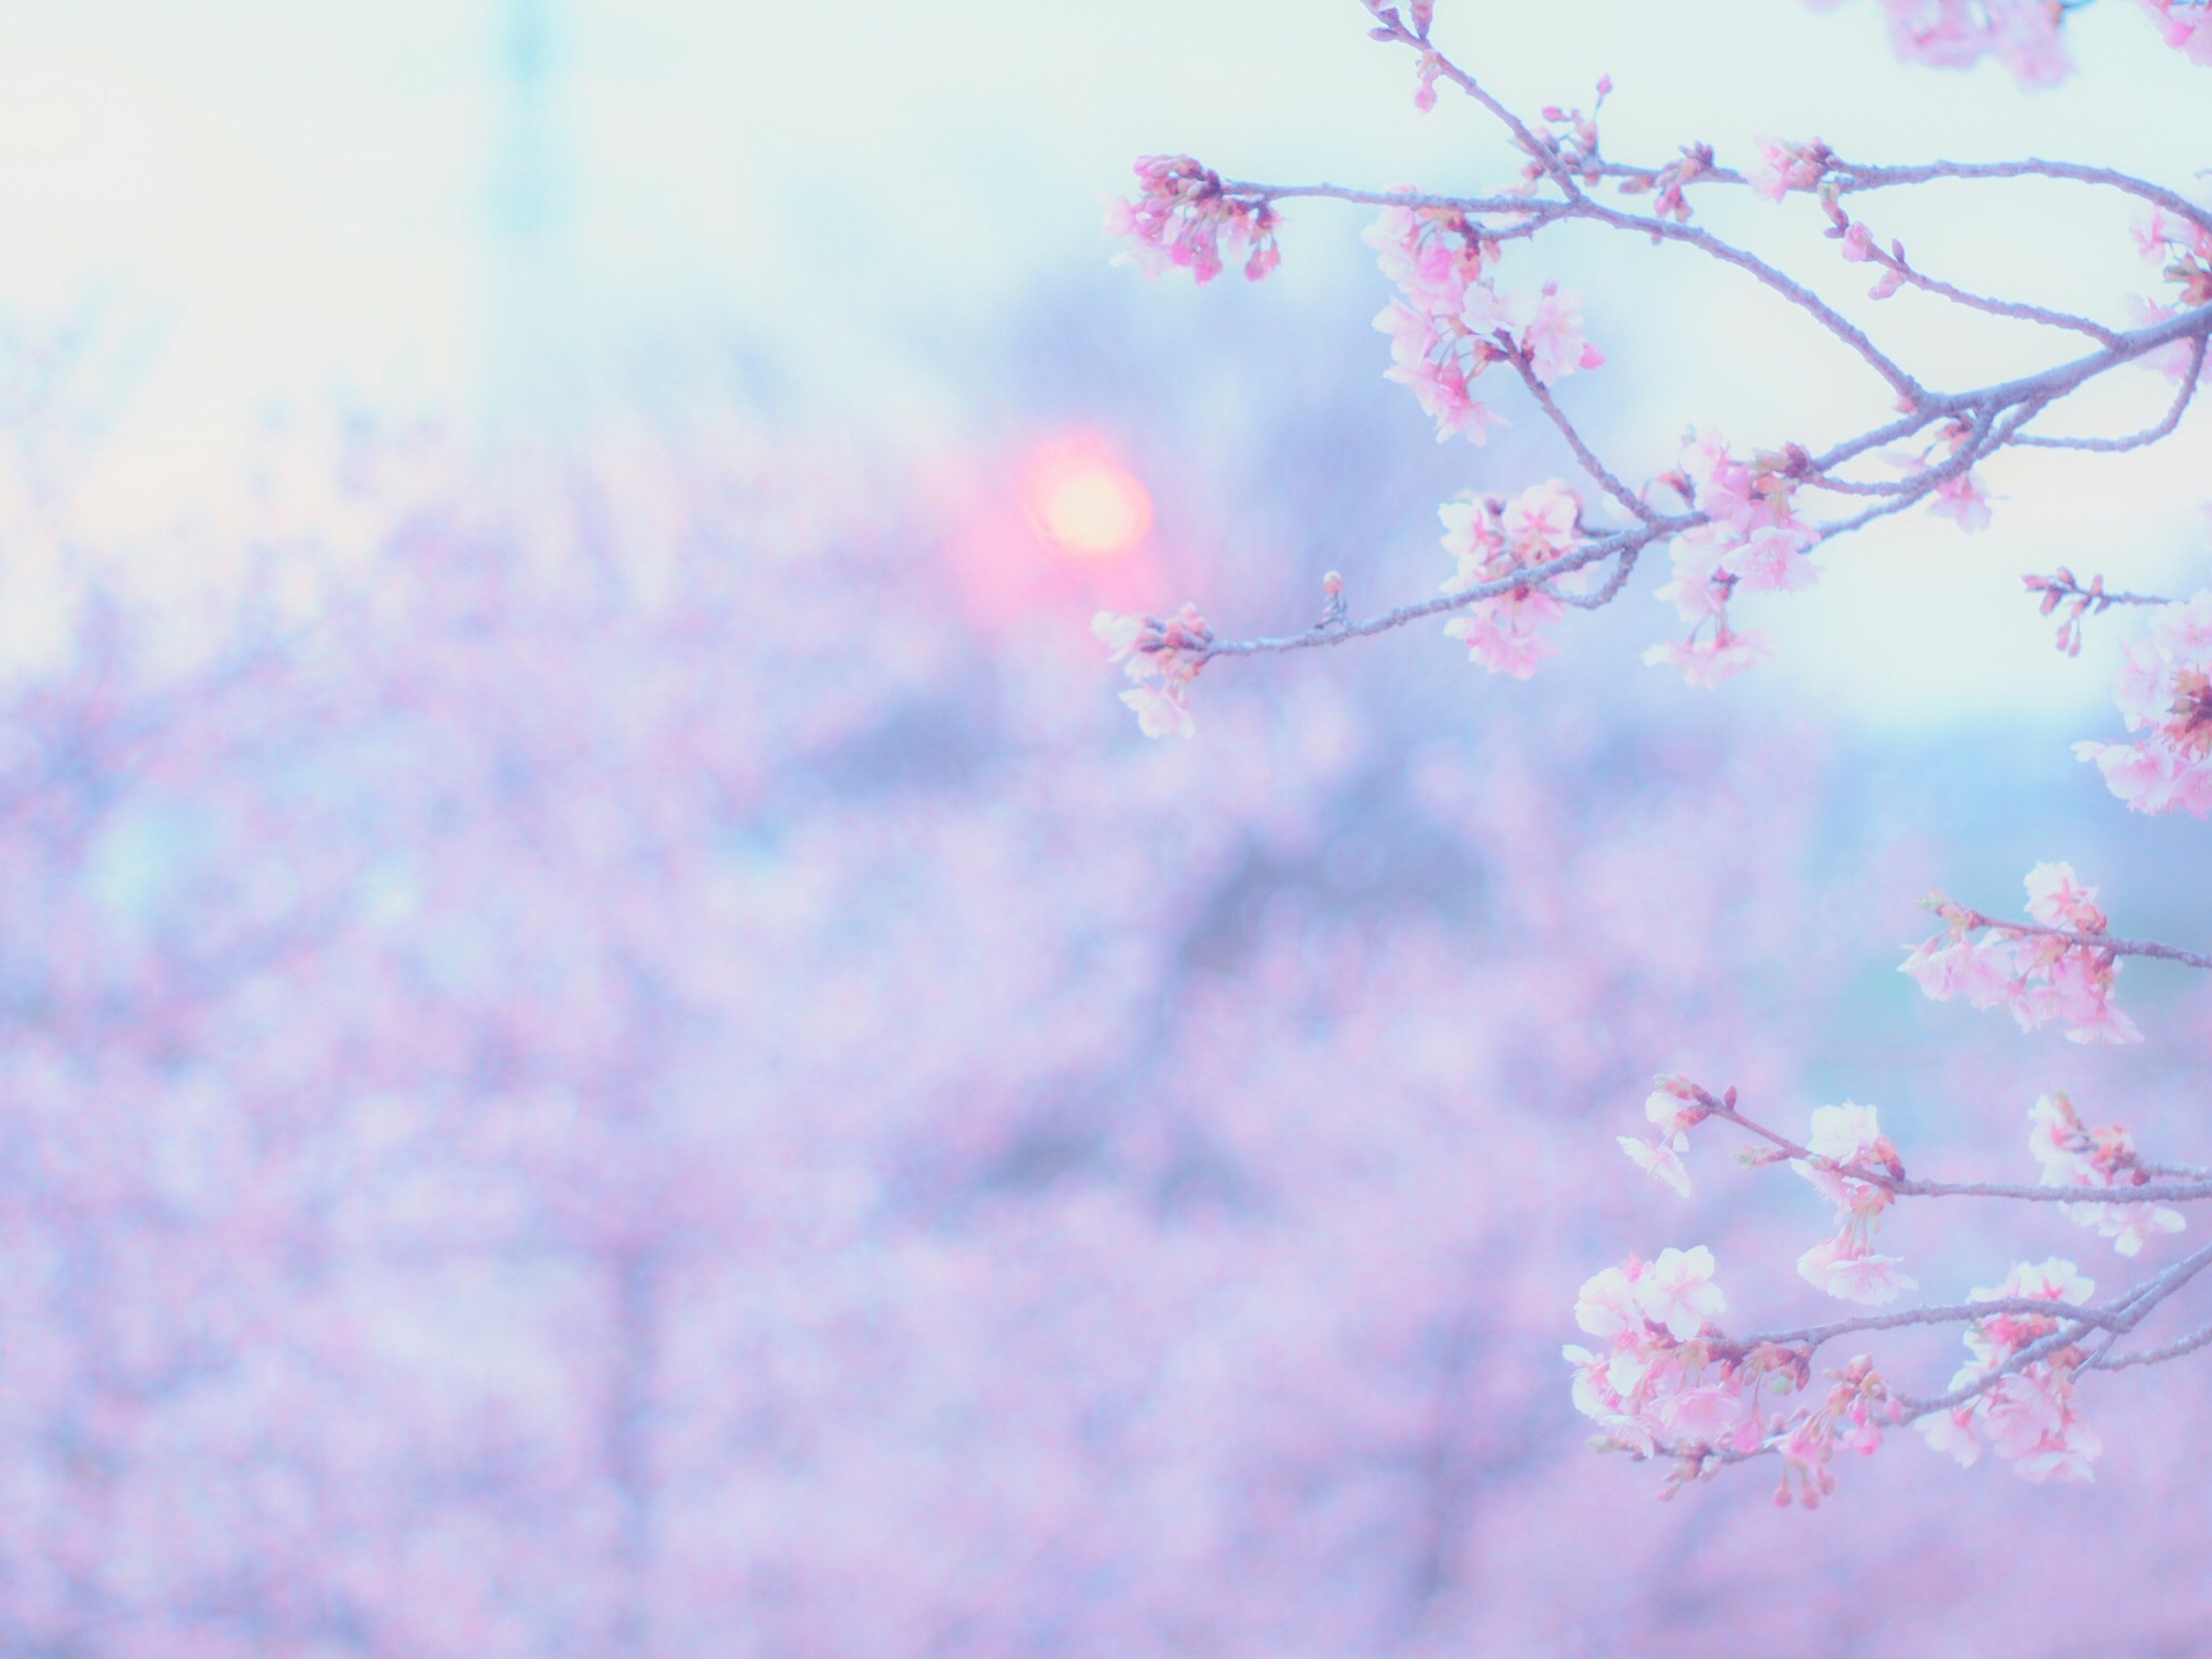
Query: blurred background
column 610, row 1043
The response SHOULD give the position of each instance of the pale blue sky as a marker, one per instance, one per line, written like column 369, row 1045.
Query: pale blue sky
column 282, row 200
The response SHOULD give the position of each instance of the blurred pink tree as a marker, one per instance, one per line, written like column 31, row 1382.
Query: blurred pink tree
column 642, row 1072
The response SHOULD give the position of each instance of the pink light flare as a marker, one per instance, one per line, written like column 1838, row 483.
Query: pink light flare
column 1079, row 498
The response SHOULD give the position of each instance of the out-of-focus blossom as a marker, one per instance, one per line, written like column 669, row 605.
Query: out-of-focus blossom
column 1847, row 1265
column 2073, row 1154
column 1677, row 1292
column 1163, row 658
column 2027, row 1414
column 1450, row 322
column 1183, row 214
column 2185, row 25
column 2165, row 692
column 1783, row 167
column 1752, row 542
column 2038, row 979
column 1659, row 1160
column 2021, row 35
column 1492, row 540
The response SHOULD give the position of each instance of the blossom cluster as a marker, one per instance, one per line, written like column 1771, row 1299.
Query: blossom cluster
column 1959, row 496
column 2027, row 1413
column 2182, row 249
column 2021, row 35
column 1670, row 1384
column 1675, row 1108
column 1163, row 658
column 2185, row 24
column 2165, row 692
column 2024, row 35
column 2041, row 978
column 2062, row 587
column 1847, row 1266
column 1492, row 540
column 1450, row 322
column 1783, row 167
column 1182, row 217
column 1752, row 540
column 2074, row 1154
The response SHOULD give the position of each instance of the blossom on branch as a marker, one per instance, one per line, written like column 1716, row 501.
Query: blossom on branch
column 2021, row 35
column 1450, row 322
column 2075, row 1155
column 1752, row 540
column 1674, row 1108
column 1847, row 1266
column 2041, row 978
column 1493, row 538
column 2028, row 1414
column 1669, row 1383
column 1163, row 658
column 2185, row 24
column 1183, row 214
column 1706, row 663
column 1783, row 167
column 2165, row 692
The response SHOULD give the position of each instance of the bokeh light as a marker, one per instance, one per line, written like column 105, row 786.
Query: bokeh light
column 1085, row 503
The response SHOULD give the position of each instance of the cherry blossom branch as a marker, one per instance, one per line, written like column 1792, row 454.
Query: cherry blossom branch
column 1611, row 484
column 1676, row 1384
column 2105, row 943
column 1898, row 266
column 1855, row 177
column 1510, row 588
column 1903, row 1186
column 2190, row 376
column 1626, row 544
column 2187, row 1345
column 2118, row 1317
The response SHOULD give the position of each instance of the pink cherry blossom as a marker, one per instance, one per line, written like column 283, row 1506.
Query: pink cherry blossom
column 2056, row 898
column 1552, row 338
column 2040, row 980
column 2054, row 1279
column 1491, row 540
column 1676, row 1292
column 1844, row 1270
column 1425, row 82
column 1707, row 663
column 2026, row 1413
column 1161, row 711
column 1846, row 1132
column 1674, row 1112
column 1659, row 1160
column 1182, row 217
column 1963, row 500
column 2165, row 692
column 1753, row 540
column 2185, row 24
column 1608, row 1304
column 1163, row 658
column 2073, row 1154
column 1783, row 167
column 2021, row 35
column 1953, row 1433
column 1771, row 560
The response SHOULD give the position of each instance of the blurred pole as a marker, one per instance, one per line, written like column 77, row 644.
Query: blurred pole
column 534, row 370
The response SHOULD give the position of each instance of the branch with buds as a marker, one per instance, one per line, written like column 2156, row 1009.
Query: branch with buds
column 1674, row 1384
column 1737, row 524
